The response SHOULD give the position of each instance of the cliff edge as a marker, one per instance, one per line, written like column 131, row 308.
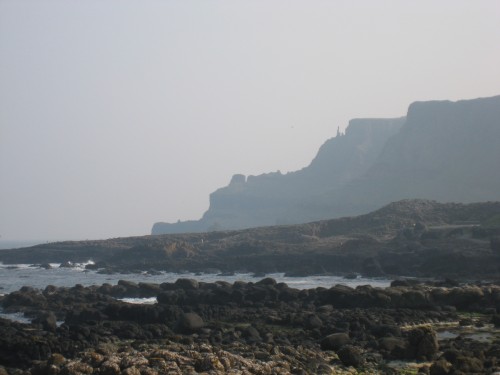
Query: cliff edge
column 442, row 150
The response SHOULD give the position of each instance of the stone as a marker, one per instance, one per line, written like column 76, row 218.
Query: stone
column 190, row 322
column 350, row 356
column 47, row 320
column 187, row 284
column 440, row 367
column 251, row 334
column 423, row 344
column 335, row 341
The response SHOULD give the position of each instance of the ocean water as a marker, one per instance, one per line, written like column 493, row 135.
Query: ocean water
column 15, row 276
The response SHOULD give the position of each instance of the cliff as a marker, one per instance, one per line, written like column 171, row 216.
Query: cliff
column 276, row 198
column 442, row 150
column 446, row 151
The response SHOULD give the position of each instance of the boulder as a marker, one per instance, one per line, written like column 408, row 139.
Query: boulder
column 350, row 356
column 335, row 341
column 312, row 322
column 422, row 344
column 392, row 347
column 251, row 334
column 468, row 365
column 189, row 323
column 440, row 367
column 47, row 320
column 187, row 284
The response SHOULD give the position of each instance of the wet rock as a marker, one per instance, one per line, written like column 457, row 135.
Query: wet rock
column 495, row 319
column 468, row 365
column 392, row 347
column 131, row 288
column 312, row 322
column 251, row 334
column 25, row 297
column 350, row 356
column 440, row 367
column 422, row 344
column 131, row 371
column 47, row 320
column 56, row 359
column 266, row 281
column 187, row 284
column 335, row 341
column 208, row 362
column 148, row 289
column 189, row 323
column 385, row 330
column 77, row 368
column 110, row 367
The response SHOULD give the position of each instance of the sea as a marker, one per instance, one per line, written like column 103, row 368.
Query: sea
column 14, row 276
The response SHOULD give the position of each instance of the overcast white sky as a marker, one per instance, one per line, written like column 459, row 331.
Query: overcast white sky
column 116, row 114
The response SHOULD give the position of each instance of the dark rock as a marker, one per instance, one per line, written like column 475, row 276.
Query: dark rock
column 384, row 330
column 267, row 281
column 350, row 356
column 208, row 363
column 423, row 344
column 468, row 365
column 335, row 341
column 440, row 367
column 495, row 319
column 47, row 320
column 189, row 323
column 312, row 322
column 187, row 284
column 251, row 334
column 404, row 283
column 392, row 347
column 149, row 289
column 131, row 289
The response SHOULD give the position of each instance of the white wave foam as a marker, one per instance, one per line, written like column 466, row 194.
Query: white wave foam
column 141, row 301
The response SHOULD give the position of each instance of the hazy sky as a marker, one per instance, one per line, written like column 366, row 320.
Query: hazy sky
column 116, row 114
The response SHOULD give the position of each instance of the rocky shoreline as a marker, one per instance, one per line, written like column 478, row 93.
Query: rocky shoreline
column 253, row 328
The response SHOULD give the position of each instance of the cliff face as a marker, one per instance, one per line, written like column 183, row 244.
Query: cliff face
column 446, row 151
column 276, row 198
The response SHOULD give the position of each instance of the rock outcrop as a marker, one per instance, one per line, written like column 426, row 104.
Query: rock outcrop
column 261, row 327
column 442, row 150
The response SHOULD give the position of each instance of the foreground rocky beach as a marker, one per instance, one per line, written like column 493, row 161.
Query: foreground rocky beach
column 253, row 328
